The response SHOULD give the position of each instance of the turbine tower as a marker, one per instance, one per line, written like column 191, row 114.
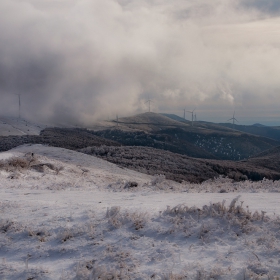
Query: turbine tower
column 184, row 113
column 233, row 119
column 18, row 94
column 192, row 114
column 149, row 101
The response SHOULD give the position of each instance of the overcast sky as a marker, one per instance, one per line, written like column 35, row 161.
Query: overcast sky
column 80, row 60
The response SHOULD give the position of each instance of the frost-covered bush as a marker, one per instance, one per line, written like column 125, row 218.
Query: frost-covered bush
column 157, row 179
column 117, row 219
column 88, row 271
column 130, row 184
column 226, row 185
column 224, row 240
column 234, row 214
column 14, row 163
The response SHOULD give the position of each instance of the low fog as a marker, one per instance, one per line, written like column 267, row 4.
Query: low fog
column 76, row 61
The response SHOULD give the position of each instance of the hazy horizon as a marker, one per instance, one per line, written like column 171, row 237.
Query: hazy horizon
column 77, row 61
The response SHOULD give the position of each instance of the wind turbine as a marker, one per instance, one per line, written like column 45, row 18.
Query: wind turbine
column 184, row 113
column 192, row 114
column 149, row 101
column 18, row 94
column 233, row 119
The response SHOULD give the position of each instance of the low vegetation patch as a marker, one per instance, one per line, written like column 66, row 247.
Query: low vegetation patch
column 216, row 241
column 179, row 167
column 16, row 165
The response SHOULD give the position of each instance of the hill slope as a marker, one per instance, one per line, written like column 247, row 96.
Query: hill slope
column 18, row 127
column 88, row 221
column 68, row 138
column 267, row 159
column 148, row 122
column 202, row 140
column 272, row 132
column 180, row 167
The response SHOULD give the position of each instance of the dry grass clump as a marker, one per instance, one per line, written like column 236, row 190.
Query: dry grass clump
column 18, row 163
column 66, row 235
column 117, row 219
column 14, row 164
column 40, row 234
column 89, row 271
column 172, row 276
column 41, row 167
column 238, row 213
column 7, row 225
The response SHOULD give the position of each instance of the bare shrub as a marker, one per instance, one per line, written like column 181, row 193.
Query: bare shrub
column 41, row 167
column 173, row 276
column 157, row 179
column 66, row 235
column 29, row 161
column 14, row 163
column 130, row 185
column 212, row 220
column 116, row 218
column 89, row 271
column 41, row 235
column 5, row 226
column 14, row 175
column 216, row 209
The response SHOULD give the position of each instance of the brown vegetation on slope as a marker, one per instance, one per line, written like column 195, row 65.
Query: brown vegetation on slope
column 179, row 167
column 67, row 138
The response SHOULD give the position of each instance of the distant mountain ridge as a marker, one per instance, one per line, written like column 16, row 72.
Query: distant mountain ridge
column 176, row 118
column 202, row 140
column 259, row 125
column 272, row 132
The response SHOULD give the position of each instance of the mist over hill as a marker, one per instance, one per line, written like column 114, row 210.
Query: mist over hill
column 15, row 126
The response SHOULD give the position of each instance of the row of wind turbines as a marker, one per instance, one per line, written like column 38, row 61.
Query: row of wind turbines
column 233, row 119
column 149, row 101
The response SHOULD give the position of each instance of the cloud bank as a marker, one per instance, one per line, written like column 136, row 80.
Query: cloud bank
column 79, row 60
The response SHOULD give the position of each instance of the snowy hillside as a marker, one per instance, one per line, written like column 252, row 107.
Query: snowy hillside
column 67, row 215
column 15, row 126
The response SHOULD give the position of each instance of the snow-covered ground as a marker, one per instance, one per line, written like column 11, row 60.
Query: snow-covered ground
column 15, row 126
column 67, row 215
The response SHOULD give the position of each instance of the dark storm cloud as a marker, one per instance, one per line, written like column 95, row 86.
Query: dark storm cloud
column 76, row 61
column 28, row 75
